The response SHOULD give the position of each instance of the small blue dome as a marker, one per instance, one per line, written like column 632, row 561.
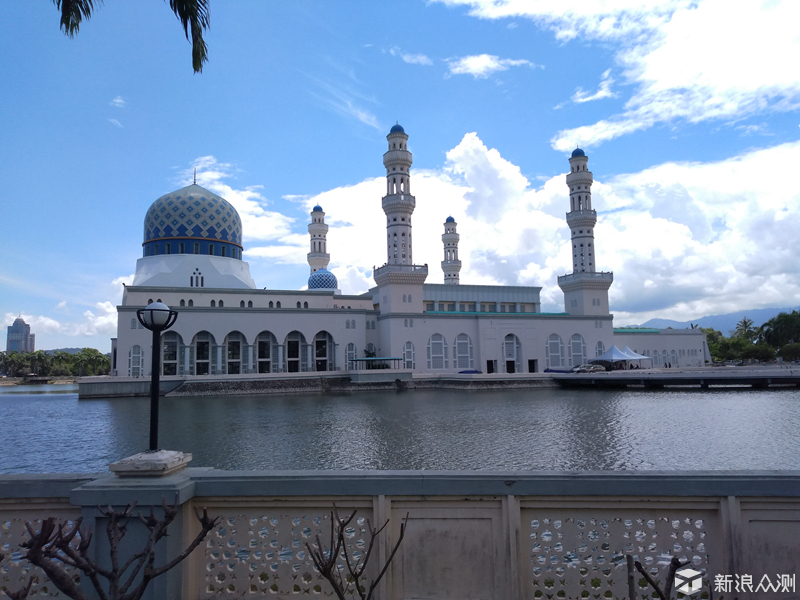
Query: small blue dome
column 397, row 129
column 322, row 280
column 578, row 152
column 449, row 220
column 317, row 208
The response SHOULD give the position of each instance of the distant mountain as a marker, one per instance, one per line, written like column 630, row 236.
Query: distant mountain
column 722, row 323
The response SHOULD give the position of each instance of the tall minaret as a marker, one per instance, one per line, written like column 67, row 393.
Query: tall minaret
column 318, row 258
column 581, row 219
column 586, row 289
column 398, row 203
column 450, row 265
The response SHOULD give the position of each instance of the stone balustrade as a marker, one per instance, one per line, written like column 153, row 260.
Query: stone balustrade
column 471, row 535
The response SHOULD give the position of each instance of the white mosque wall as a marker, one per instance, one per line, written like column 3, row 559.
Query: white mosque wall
column 178, row 269
column 675, row 347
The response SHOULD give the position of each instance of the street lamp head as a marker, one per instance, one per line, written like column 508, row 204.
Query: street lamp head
column 157, row 316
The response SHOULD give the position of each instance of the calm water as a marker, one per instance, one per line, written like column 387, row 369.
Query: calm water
column 519, row 430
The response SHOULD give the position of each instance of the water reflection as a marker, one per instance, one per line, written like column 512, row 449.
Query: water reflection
column 516, row 430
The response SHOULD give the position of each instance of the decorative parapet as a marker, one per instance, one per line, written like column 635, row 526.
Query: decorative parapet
column 404, row 274
column 493, row 534
column 585, row 280
column 510, row 534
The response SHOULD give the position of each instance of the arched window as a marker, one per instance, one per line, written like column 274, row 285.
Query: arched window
column 410, row 323
column 213, row 304
column 404, row 298
column 405, row 323
column 297, row 353
column 172, row 346
column 191, row 302
column 135, row 361
column 133, row 323
column 241, row 304
column 205, row 362
column 577, row 350
column 234, row 352
column 249, row 304
column 462, row 353
column 305, row 304
column 600, row 349
column 512, row 354
column 409, row 296
column 266, row 352
column 183, row 302
column 270, row 304
column 350, row 355
column 324, row 352
column 278, row 304
column 298, row 304
column 371, row 349
column 555, row 352
column 347, row 324
column 353, row 322
column 221, row 304
column 437, row 352
column 408, row 355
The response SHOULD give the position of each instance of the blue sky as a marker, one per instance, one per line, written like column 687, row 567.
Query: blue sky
column 689, row 112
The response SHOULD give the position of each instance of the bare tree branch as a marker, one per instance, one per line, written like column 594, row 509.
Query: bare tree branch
column 53, row 547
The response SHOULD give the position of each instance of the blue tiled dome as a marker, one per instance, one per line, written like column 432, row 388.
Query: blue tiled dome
column 397, row 129
column 317, row 208
column 322, row 280
column 193, row 213
column 578, row 152
column 449, row 220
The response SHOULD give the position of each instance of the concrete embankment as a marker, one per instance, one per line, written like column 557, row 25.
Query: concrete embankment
column 362, row 381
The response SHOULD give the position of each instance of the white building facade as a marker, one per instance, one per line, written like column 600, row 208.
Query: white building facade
column 192, row 262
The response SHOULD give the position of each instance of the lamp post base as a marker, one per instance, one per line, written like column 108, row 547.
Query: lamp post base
column 154, row 463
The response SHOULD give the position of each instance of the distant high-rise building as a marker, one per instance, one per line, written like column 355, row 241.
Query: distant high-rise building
column 20, row 338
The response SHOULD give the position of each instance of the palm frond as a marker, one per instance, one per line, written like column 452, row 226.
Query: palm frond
column 73, row 12
column 193, row 15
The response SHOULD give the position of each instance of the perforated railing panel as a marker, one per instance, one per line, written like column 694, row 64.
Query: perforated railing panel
column 578, row 553
column 256, row 552
column 16, row 572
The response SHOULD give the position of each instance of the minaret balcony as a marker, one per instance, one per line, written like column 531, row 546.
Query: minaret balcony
column 405, row 274
column 582, row 218
column 585, row 280
column 580, row 177
column 399, row 203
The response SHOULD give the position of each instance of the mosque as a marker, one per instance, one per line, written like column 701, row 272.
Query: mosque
column 227, row 326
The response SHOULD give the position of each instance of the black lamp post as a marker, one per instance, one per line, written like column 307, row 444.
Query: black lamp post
column 157, row 317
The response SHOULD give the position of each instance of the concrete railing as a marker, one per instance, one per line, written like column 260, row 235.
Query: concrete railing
column 470, row 535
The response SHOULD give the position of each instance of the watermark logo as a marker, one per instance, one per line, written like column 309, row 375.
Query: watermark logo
column 783, row 582
column 688, row 581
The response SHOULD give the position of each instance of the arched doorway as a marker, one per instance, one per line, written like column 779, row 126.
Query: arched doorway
column 172, row 350
column 297, row 353
column 266, row 352
column 324, row 352
column 512, row 354
column 203, row 347
column 235, row 353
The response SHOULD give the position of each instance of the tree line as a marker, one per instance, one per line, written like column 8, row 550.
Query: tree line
column 777, row 337
column 58, row 364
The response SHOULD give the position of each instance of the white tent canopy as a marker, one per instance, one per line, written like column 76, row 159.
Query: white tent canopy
column 612, row 355
column 634, row 355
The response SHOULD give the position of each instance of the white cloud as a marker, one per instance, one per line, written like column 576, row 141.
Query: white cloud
column 119, row 102
column 115, row 123
column 481, row 66
column 683, row 239
column 603, row 91
column 686, row 60
column 344, row 100
column 413, row 59
column 100, row 321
